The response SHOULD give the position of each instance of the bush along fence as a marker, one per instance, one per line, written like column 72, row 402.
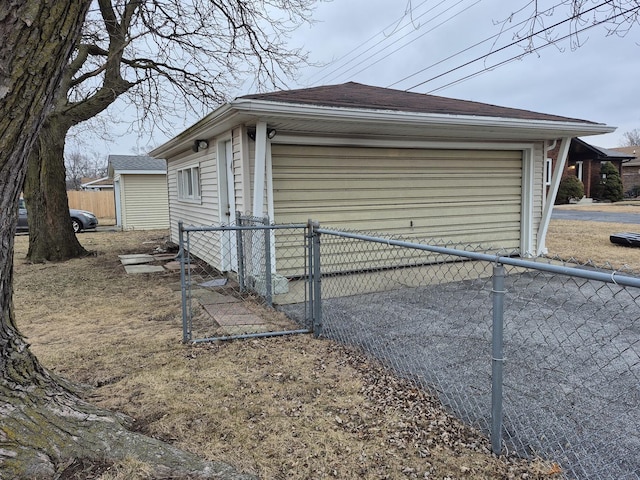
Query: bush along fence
column 543, row 356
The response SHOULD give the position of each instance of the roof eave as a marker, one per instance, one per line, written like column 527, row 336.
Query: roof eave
column 274, row 109
column 242, row 110
column 204, row 128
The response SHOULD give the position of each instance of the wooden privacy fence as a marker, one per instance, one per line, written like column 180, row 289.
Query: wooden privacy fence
column 102, row 204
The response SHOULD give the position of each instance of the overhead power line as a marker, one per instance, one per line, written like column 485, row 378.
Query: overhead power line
column 393, row 25
column 493, row 52
column 460, row 52
column 516, row 57
column 411, row 41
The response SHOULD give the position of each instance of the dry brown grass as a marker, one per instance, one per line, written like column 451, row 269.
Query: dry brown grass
column 589, row 241
column 288, row 407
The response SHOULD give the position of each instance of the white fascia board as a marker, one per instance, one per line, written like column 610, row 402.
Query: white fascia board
column 241, row 110
column 92, row 182
column 213, row 124
column 274, row 109
column 139, row 172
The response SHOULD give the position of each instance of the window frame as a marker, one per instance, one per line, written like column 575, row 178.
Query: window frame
column 188, row 184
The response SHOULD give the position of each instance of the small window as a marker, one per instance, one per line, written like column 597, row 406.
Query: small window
column 189, row 183
column 548, row 171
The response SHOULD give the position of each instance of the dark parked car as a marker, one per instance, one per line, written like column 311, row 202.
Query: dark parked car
column 80, row 219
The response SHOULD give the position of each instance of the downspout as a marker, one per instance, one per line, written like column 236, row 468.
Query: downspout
column 551, row 196
column 269, row 182
column 116, row 193
column 260, row 169
column 270, row 207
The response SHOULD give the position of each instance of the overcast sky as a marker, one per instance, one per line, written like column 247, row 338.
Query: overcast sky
column 376, row 43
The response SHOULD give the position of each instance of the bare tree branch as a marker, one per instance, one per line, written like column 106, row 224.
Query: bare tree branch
column 171, row 53
column 568, row 18
column 631, row 138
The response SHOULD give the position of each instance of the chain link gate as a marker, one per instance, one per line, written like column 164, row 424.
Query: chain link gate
column 232, row 276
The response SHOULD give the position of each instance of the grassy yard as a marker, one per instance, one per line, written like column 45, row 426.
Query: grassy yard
column 288, row 407
column 589, row 241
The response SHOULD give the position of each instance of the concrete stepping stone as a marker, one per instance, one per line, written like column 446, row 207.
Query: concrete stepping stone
column 136, row 259
column 143, row 268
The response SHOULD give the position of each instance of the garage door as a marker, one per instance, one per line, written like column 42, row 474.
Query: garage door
column 460, row 196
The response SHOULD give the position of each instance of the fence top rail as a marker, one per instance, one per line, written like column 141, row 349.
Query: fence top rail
column 608, row 277
column 231, row 228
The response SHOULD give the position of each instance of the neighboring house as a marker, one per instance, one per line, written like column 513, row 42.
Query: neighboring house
column 359, row 157
column 96, row 184
column 584, row 161
column 631, row 169
column 140, row 190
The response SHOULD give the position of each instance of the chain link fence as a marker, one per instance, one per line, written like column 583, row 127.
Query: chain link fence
column 231, row 275
column 543, row 356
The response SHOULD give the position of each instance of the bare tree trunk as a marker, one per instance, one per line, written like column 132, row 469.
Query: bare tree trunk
column 51, row 236
column 44, row 425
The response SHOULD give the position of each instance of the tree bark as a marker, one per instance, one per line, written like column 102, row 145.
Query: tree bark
column 44, row 425
column 51, row 236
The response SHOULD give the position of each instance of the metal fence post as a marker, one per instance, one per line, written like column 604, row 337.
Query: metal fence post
column 308, row 314
column 183, row 285
column 267, row 262
column 497, row 360
column 240, row 248
column 317, row 300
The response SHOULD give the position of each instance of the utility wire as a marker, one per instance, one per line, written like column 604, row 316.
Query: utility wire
column 516, row 57
column 470, row 48
column 578, row 15
column 409, row 42
column 394, row 24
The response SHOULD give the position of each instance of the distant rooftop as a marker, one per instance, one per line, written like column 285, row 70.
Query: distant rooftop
column 632, row 150
column 135, row 163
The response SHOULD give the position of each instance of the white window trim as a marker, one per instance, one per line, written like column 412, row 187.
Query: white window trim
column 193, row 173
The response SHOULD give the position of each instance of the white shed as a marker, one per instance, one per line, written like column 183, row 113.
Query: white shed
column 369, row 158
column 140, row 189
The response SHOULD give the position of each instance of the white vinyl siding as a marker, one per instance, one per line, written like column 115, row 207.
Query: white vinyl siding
column 539, row 191
column 205, row 211
column 239, row 168
column 144, row 201
column 444, row 196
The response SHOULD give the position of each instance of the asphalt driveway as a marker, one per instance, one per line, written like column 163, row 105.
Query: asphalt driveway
column 589, row 216
column 572, row 360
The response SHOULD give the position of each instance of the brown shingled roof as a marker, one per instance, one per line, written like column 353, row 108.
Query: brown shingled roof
column 356, row 95
column 631, row 150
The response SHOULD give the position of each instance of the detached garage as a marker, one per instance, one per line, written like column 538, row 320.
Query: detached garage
column 461, row 196
column 359, row 157
column 140, row 189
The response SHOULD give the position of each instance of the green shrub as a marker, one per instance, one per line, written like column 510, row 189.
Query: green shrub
column 610, row 187
column 570, row 187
